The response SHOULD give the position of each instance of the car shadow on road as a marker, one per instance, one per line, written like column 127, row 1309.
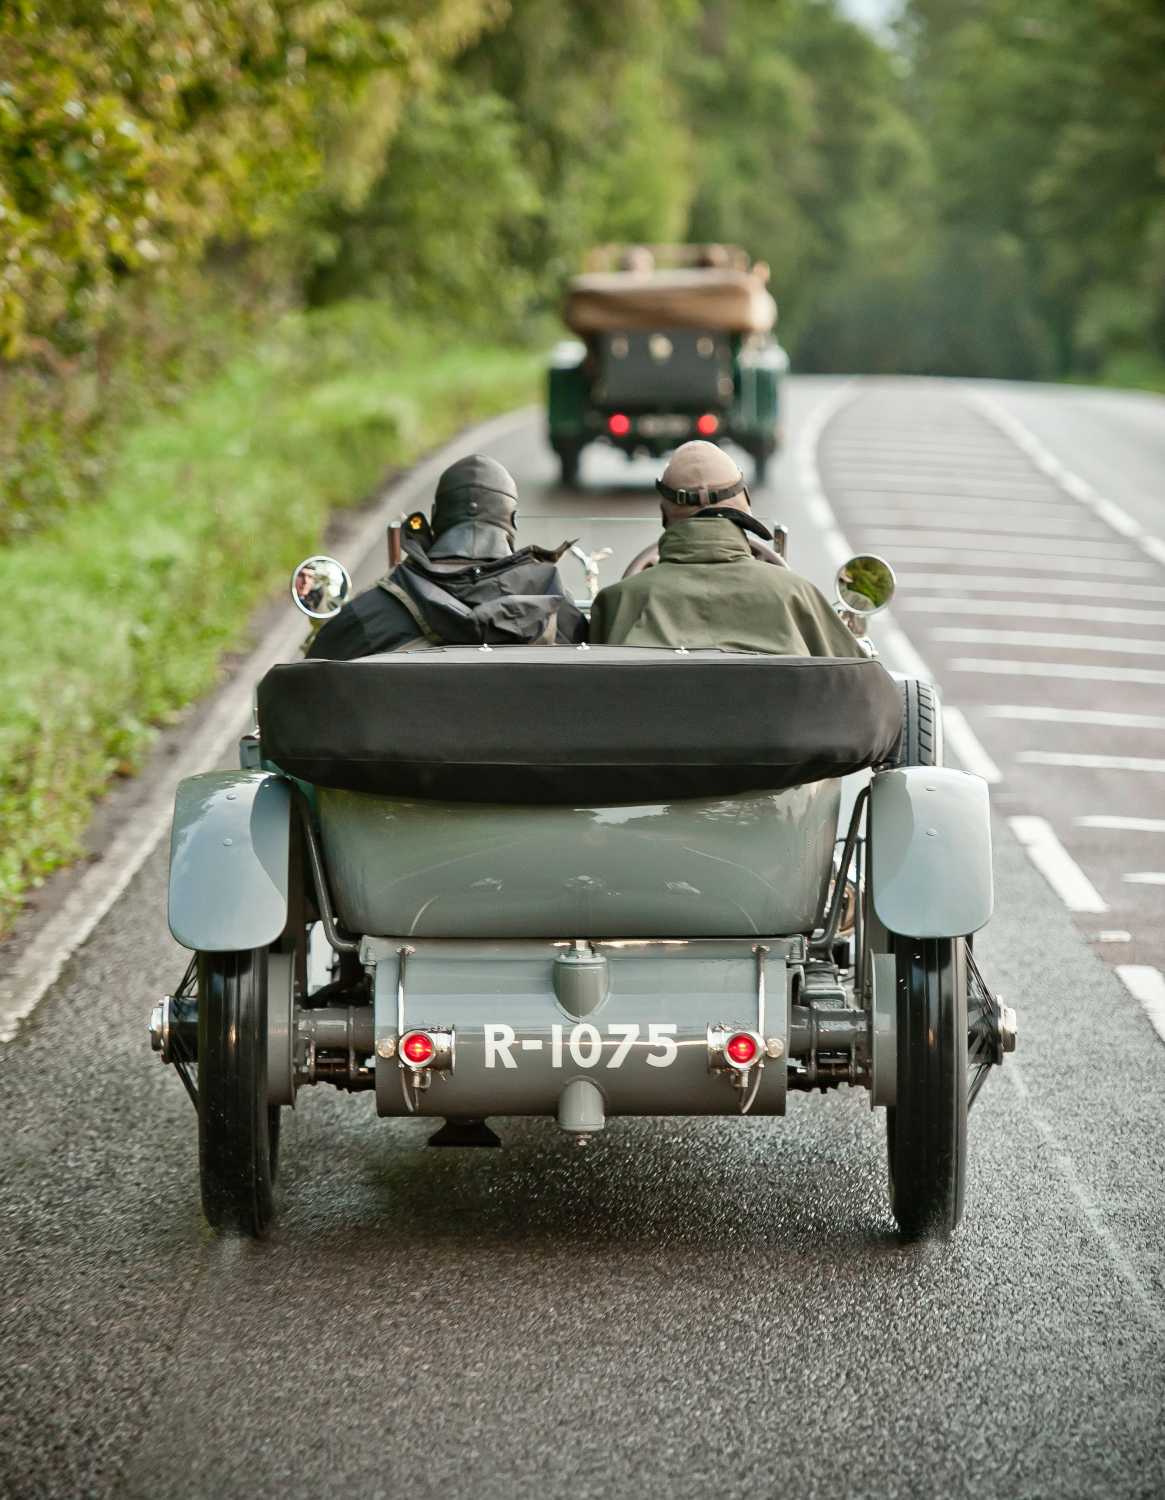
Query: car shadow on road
column 706, row 1186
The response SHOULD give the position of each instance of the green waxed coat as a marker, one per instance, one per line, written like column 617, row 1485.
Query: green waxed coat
column 708, row 591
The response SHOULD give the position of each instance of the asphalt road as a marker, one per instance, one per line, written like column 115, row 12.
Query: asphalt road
column 691, row 1307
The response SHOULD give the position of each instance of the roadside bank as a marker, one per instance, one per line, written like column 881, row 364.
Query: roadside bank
column 122, row 616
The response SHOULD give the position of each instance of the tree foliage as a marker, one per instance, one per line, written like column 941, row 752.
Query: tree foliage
column 984, row 196
column 135, row 132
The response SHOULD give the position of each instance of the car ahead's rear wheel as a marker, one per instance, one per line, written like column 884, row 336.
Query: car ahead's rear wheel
column 926, row 1130
column 568, row 460
column 238, row 1131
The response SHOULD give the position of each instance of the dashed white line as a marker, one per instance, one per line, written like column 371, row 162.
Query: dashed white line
column 1009, row 582
column 1150, row 765
column 985, row 541
column 986, row 558
column 975, row 635
column 1061, row 520
column 1147, row 986
column 1039, row 713
column 1035, row 609
column 1007, row 668
column 1124, row 825
column 1056, row 865
column 1144, row 877
column 1071, row 483
column 965, row 743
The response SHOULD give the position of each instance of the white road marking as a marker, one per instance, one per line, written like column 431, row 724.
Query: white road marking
column 1044, row 715
column 1112, row 935
column 1121, row 645
column 1056, row 865
column 900, row 650
column 809, row 474
column 39, row 965
column 986, row 541
column 1093, row 1211
column 1059, row 565
column 965, row 743
column 1018, row 583
column 1124, row 825
column 1145, row 877
column 1058, row 521
column 892, row 639
column 1071, row 483
column 1093, row 762
column 1035, row 609
column 1147, row 986
column 1003, row 668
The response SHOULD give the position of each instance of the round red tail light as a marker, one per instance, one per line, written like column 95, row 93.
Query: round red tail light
column 708, row 424
column 618, row 424
column 742, row 1049
column 417, row 1047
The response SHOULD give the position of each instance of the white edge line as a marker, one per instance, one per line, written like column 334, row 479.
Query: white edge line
column 965, row 743
column 961, row 737
column 1112, row 514
column 1056, row 865
column 1147, row 986
column 40, row 964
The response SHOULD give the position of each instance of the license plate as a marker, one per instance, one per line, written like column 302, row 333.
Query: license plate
column 584, row 1045
column 664, row 426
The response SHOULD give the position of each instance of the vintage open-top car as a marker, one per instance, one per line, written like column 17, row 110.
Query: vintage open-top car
column 583, row 882
column 677, row 345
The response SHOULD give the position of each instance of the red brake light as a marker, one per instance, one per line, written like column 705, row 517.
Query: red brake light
column 708, row 424
column 417, row 1047
column 619, row 424
column 742, row 1048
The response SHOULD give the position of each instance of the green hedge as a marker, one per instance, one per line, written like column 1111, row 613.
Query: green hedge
column 119, row 617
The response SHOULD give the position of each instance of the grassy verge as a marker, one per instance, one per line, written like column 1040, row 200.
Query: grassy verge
column 118, row 618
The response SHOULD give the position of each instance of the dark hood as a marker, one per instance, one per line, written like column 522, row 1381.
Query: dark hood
column 475, row 510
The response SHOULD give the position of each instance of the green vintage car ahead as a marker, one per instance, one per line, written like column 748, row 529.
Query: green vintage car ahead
column 671, row 342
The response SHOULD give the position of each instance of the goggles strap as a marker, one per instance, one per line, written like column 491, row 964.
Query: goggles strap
column 703, row 495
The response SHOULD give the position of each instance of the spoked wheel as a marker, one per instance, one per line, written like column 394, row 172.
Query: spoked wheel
column 238, row 1131
column 926, row 1130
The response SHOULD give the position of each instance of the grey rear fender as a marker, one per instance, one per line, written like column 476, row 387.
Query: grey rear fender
column 230, row 860
column 930, row 852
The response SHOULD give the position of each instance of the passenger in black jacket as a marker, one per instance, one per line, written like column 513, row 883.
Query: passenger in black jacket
column 461, row 582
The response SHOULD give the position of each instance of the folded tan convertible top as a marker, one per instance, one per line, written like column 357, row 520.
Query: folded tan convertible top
column 612, row 301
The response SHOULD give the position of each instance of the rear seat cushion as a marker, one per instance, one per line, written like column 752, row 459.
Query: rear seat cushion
column 597, row 724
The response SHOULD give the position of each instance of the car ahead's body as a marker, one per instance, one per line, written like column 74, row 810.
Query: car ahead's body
column 582, row 882
column 661, row 357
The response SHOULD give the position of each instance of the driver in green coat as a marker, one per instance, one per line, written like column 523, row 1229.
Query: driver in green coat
column 708, row 590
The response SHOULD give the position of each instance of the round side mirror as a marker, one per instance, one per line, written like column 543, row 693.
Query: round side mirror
column 320, row 587
column 865, row 584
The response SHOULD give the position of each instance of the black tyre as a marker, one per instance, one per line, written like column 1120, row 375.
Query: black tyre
column 568, row 459
column 926, row 1131
column 238, row 1132
column 921, row 743
column 760, row 466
